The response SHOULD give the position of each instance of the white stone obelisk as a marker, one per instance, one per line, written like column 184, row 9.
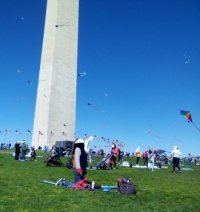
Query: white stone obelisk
column 55, row 111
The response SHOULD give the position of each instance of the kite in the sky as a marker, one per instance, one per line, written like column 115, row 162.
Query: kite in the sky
column 188, row 116
column 19, row 71
column 149, row 131
column 81, row 74
column 66, row 24
column 89, row 104
column 187, row 58
column 29, row 82
column 105, row 93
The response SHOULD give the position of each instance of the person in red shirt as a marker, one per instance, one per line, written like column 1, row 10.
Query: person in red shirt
column 114, row 153
column 145, row 157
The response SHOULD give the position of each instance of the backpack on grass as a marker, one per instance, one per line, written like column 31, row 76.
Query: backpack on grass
column 125, row 186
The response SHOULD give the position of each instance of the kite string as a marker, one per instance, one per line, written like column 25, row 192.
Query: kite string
column 196, row 127
column 168, row 128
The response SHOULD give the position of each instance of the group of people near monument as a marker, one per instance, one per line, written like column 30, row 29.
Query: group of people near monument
column 21, row 149
column 81, row 153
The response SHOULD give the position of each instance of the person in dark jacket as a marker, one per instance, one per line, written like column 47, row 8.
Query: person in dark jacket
column 17, row 150
column 79, row 160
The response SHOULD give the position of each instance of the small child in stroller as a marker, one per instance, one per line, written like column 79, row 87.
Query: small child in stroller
column 33, row 153
column 54, row 159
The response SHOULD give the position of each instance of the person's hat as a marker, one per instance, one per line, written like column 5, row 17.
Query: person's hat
column 113, row 146
column 79, row 141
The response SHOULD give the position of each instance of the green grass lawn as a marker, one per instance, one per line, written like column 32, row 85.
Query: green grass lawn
column 161, row 190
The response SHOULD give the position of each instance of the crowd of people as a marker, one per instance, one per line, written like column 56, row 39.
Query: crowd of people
column 6, row 146
column 21, row 150
column 81, row 152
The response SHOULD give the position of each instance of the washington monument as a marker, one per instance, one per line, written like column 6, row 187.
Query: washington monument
column 55, row 111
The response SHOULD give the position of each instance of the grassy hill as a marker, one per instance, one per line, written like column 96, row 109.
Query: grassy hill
column 161, row 190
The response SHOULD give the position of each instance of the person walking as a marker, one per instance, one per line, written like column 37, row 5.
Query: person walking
column 176, row 154
column 138, row 155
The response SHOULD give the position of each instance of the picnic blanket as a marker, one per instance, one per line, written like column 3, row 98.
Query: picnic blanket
column 81, row 185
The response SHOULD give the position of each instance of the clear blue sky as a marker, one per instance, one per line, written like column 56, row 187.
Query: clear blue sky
column 142, row 64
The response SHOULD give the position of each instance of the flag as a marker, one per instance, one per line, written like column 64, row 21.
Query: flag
column 17, row 132
column 28, row 132
column 40, row 133
column 64, row 133
column 52, row 134
column 95, row 137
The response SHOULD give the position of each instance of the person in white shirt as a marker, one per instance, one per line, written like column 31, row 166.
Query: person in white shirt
column 176, row 154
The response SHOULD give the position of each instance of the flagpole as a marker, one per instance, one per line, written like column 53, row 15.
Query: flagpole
column 38, row 139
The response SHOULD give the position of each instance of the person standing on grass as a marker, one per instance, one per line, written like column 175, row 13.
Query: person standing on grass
column 145, row 157
column 152, row 158
column 17, row 150
column 87, row 149
column 189, row 160
column 113, row 158
column 45, row 150
column 24, row 148
column 120, row 155
column 176, row 154
column 138, row 155
column 79, row 160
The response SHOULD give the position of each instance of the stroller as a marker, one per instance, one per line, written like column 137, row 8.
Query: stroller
column 105, row 162
column 55, row 160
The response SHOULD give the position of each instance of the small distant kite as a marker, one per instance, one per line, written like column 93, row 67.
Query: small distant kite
column 177, row 139
column 105, row 93
column 81, row 74
column 89, row 104
column 187, row 58
column 19, row 71
column 29, row 82
column 66, row 24
column 188, row 116
column 149, row 131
